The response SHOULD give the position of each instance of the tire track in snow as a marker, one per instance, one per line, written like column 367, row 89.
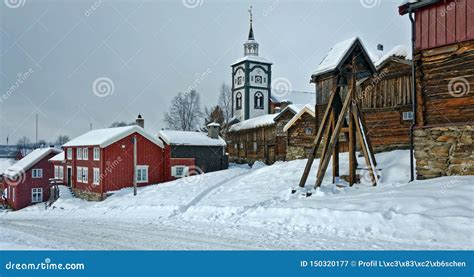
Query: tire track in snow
column 205, row 193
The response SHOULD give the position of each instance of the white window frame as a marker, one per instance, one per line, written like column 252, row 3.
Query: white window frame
column 96, row 154
column 139, row 169
column 79, row 174
column 13, row 194
column 56, row 172
column 61, row 172
column 96, row 176
column 39, row 195
column 85, row 154
column 407, row 116
column 69, row 153
column 78, row 153
column 37, row 173
column 85, row 175
column 174, row 171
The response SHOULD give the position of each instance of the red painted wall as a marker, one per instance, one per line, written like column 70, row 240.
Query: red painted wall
column 445, row 23
column 23, row 189
column 116, row 165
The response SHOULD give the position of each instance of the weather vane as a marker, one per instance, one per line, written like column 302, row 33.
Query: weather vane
column 250, row 12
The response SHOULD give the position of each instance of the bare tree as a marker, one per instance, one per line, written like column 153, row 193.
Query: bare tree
column 225, row 101
column 23, row 146
column 120, row 124
column 62, row 139
column 185, row 112
column 214, row 114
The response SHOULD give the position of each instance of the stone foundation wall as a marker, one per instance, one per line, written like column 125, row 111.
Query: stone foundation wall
column 444, row 151
column 88, row 195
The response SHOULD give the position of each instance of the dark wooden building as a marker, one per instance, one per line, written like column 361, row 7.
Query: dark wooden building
column 444, row 63
column 300, row 131
column 195, row 152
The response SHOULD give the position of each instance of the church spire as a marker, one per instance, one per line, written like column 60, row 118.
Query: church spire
column 251, row 45
column 251, row 37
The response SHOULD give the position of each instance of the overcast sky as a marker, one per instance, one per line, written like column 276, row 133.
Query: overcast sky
column 52, row 52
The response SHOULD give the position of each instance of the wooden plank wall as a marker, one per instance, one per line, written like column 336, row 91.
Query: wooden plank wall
column 440, row 73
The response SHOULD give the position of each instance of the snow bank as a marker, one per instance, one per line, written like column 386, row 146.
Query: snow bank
column 428, row 214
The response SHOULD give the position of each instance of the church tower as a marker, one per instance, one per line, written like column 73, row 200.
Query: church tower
column 251, row 81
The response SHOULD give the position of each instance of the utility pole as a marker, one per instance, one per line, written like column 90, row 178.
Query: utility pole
column 36, row 138
column 135, row 165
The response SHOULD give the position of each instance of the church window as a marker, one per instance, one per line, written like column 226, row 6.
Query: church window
column 239, row 80
column 238, row 101
column 258, row 100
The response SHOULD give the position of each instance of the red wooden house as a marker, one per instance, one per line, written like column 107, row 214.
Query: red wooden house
column 443, row 33
column 102, row 160
column 27, row 181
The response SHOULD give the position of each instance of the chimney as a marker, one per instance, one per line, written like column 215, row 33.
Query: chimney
column 213, row 130
column 140, row 121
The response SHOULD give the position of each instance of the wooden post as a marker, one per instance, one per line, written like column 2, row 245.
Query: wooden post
column 335, row 152
column 135, row 165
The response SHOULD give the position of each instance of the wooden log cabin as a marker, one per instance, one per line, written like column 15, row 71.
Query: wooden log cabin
column 383, row 92
column 260, row 138
column 443, row 33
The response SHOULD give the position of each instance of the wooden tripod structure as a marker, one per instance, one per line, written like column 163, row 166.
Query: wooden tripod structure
column 334, row 122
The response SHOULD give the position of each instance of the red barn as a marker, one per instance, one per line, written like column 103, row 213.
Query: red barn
column 102, row 160
column 27, row 181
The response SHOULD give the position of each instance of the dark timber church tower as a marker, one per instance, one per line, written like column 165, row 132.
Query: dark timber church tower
column 251, row 81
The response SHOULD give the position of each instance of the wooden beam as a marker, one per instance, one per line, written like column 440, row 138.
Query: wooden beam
column 363, row 145
column 317, row 140
column 325, row 162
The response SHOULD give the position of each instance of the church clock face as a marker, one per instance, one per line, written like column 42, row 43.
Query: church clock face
column 258, row 79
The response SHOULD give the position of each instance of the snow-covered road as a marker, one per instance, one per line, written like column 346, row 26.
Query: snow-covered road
column 243, row 208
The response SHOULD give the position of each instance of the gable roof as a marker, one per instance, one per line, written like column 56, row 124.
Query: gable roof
column 107, row 136
column 29, row 160
column 339, row 53
column 294, row 108
column 190, row 138
column 306, row 109
column 399, row 51
column 256, row 122
column 58, row 158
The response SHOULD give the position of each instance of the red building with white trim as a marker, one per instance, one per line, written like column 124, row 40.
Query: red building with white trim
column 27, row 181
column 102, row 160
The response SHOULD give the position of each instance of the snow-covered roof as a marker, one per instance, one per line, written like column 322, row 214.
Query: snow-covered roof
column 252, row 59
column 58, row 158
column 29, row 160
column 399, row 51
column 306, row 109
column 213, row 124
column 295, row 97
column 189, row 138
column 336, row 55
column 256, row 122
column 295, row 108
column 107, row 136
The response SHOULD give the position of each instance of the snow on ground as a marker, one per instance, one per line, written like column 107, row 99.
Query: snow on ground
column 253, row 208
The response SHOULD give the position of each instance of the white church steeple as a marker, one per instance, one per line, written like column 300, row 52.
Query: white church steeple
column 251, row 45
